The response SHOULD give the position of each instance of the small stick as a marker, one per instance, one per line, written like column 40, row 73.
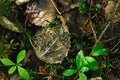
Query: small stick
column 56, row 7
column 115, row 45
column 94, row 33
column 104, row 31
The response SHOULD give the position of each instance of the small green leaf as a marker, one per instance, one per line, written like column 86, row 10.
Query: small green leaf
column 91, row 63
column 98, row 49
column 82, row 76
column 21, row 56
column 12, row 70
column 19, row 64
column 84, row 69
column 107, row 64
column 23, row 73
column 7, row 62
column 83, row 8
column 69, row 72
column 79, row 59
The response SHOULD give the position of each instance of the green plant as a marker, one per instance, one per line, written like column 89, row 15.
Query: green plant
column 7, row 45
column 86, row 63
column 85, row 8
column 7, row 7
column 53, row 22
column 22, row 72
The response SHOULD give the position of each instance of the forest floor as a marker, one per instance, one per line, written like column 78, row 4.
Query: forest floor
column 89, row 22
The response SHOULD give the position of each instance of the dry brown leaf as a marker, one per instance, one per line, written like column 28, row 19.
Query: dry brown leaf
column 41, row 12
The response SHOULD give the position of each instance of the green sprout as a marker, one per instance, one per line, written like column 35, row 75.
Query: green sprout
column 86, row 63
column 22, row 72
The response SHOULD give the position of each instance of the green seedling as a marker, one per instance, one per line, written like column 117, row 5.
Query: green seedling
column 53, row 22
column 22, row 72
column 98, row 49
column 86, row 63
column 85, row 9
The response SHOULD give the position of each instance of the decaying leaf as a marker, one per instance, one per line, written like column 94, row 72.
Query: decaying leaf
column 112, row 9
column 52, row 44
column 40, row 12
column 6, row 23
column 20, row 2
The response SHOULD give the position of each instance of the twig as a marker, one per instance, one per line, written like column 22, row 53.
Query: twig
column 116, row 8
column 32, row 44
column 91, row 25
column 115, row 37
column 116, row 45
column 55, row 7
column 94, row 33
column 104, row 31
column 115, row 51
